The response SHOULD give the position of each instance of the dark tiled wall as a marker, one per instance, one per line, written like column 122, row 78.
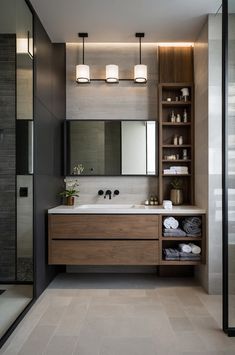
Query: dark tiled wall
column 7, row 156
column 49, row 113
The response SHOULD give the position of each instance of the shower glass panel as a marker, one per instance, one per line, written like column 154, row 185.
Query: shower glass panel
column 16, row 161
column 231, row 163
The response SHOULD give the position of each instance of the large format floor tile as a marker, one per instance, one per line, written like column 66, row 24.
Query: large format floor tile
column 106, row 315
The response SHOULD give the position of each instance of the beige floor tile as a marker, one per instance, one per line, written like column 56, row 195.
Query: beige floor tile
column 161, row 320
column 181, row 324
column 60, row 345
column 189, row 341
column 53, row 315
column 131, row 293
column 173, row 310
column 108, row 310
column 72, row 320
column 37, row 341
column 128, row 346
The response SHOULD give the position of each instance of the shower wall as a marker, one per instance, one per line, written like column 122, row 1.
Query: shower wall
column 7, row 156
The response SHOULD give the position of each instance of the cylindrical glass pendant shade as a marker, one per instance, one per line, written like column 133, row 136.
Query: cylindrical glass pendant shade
column 112, row 75
column 140, row 73
column 82, row 73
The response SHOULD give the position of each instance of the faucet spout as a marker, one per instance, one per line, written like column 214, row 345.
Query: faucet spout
column 109, row 193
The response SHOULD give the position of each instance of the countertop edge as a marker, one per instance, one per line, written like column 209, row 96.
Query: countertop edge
column 182, row 210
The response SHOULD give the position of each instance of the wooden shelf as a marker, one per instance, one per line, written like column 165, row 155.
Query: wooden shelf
column 176, row 146
column 179, row 262
column 164, row 175
column 176, row 124
column 176, row 103
column 167, row 131
column 181, row 238
column 176, row 161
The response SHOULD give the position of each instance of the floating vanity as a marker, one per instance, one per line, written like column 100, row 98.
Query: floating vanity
column 109, row 234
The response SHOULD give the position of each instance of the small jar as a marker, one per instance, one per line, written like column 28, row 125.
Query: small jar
column 173, row 117
column 185, row 116
column 180, row 140
column 178, row 118
column 175, row 140
column 185, row 154
column 151, row 202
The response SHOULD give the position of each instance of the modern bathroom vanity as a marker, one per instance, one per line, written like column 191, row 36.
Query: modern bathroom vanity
column 116, row 235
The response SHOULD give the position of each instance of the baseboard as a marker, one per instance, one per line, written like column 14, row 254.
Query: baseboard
column 112, row 269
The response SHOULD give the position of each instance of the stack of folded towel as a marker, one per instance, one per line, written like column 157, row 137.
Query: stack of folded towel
column 169, row 232
column 184, row 252
column 192, row 226
column 171, row 254
column 172, row 228
column 176, row 170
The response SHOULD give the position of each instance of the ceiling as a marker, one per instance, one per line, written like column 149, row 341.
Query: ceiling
column 118, row 20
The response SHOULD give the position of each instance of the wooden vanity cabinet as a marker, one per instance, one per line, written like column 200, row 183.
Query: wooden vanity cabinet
column 103, row 239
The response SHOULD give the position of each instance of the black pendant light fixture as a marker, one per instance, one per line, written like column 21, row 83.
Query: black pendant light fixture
column 140, row 70
column 82, row 70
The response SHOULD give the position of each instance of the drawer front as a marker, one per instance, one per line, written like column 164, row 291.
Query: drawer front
column 103, row 226
column 103, row 252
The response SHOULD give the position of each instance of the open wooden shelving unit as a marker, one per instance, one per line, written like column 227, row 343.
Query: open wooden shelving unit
column 167, row 131
column 173, row 242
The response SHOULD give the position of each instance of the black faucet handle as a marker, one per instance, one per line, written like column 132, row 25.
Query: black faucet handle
column 100, row 192
column 116, row 192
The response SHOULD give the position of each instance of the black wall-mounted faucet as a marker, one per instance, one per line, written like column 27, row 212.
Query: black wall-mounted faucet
column 109, row 193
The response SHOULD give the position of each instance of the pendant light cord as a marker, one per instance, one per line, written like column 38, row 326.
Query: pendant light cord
column 83, row 50
column 140, row 48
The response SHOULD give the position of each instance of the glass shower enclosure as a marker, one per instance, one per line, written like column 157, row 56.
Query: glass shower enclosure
column 16, row 160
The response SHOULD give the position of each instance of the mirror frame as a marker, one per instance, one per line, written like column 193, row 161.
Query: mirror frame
column 66, row 140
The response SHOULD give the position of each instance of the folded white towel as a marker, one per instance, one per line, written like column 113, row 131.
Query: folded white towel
column 171, row 222
column 186, row 248
column 167, row 204
column 195, row 248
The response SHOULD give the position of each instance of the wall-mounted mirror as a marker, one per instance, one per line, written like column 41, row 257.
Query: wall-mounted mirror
column 110, row 148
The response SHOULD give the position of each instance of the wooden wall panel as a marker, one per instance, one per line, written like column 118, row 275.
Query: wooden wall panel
column 176, row 64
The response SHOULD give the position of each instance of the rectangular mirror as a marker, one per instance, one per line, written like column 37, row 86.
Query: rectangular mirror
column 110, row 148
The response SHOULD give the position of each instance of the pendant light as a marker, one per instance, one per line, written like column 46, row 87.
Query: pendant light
column 82, row 70
column 140, row 70
column 112, row 73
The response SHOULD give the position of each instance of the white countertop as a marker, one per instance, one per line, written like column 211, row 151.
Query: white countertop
column 126, row 209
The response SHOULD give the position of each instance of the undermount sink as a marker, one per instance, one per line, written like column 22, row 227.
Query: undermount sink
column 106, row 206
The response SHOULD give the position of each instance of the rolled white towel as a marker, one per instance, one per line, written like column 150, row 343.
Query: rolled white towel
column 186, row 248
column 195, row 248
column 171, row 222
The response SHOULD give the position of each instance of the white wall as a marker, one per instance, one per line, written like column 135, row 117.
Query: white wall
column 123, row 101
column 208, row 145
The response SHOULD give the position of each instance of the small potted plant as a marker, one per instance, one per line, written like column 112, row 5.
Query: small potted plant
column 78, row 169
column 71, row 190
column 176, row 192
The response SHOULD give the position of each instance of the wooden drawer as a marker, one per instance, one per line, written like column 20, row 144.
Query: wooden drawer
column 103, row 226
column 103, row 252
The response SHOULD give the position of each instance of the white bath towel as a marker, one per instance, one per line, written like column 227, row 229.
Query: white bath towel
column 185, row 248
column 171, row 222
column 195, row 248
